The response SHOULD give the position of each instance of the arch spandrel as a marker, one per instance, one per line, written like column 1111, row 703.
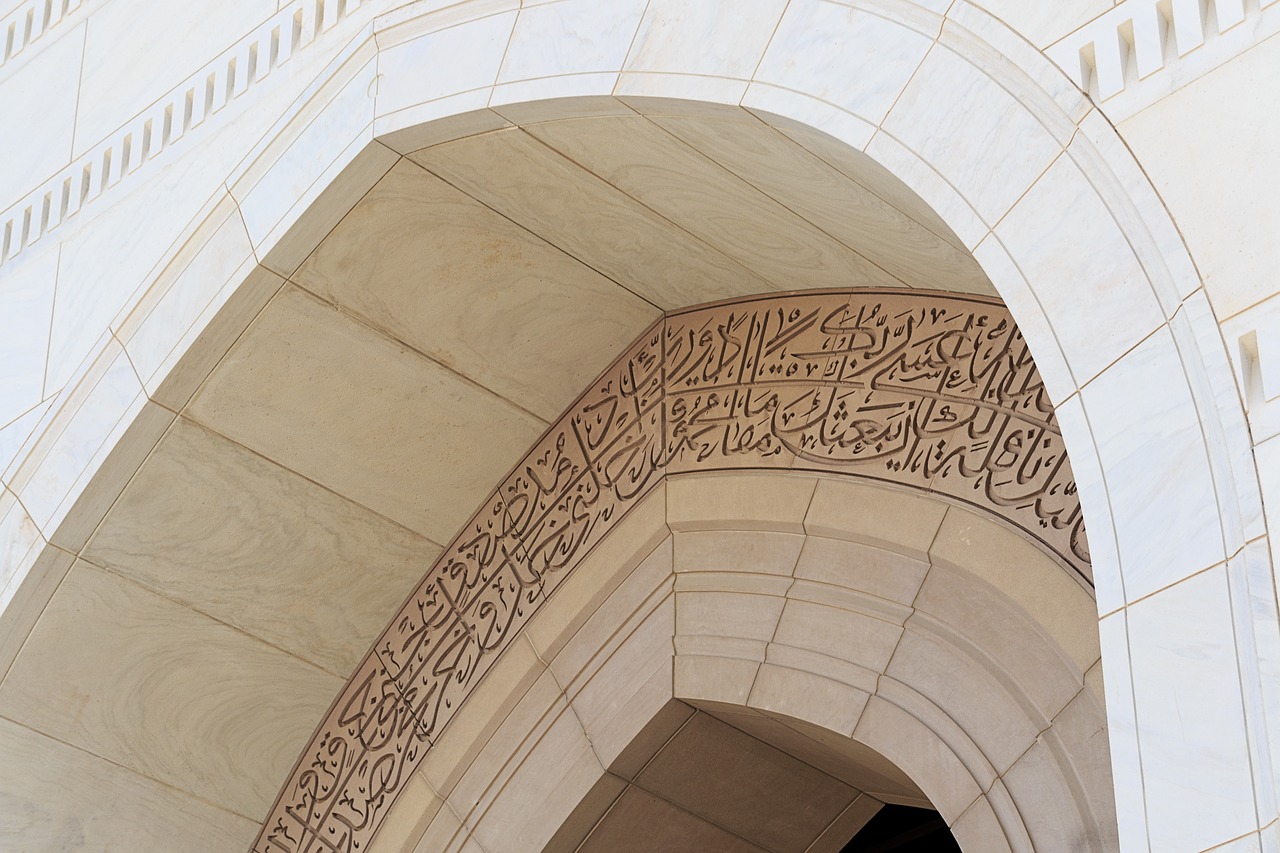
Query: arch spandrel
column 930, row 392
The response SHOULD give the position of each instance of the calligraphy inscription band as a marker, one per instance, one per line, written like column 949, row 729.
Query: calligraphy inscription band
column 929, row 391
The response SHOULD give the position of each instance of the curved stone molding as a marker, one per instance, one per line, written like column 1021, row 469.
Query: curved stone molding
column 931, row 392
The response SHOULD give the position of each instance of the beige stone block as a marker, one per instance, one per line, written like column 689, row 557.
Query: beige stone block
column 165, row 691
column 714, row 679
column 823, row 665
column 415, row 807
column 34, row 577
column 419, row 281
column 57, row 797
column 695, row 194
column 604, row 627
column 852, row 600
column 489, row 770
column 639, row 543
column 644, row 744
column 1040, row 586
column 543, row 791
column 748, row 551
column 850, row 822
column 1049, row 805
column 874, row 515
column 640, row 822
column 482, row 713
column 807, row 696
column 855, row 637
column 445, row 833
column 629, row 688
column 222, row 530
column 841, row 564
column 738, row 501
column 979, row 829
column 1023, row 655
column 389, row 429
column 594, row 804
column 1079, row 742
column 921, row 754
column 585, row 216
column 835, row 754
column 959, row 683
column 727, row 614
column 723, row 775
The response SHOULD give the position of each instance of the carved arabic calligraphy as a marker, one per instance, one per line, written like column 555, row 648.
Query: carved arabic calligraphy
column 927, row 391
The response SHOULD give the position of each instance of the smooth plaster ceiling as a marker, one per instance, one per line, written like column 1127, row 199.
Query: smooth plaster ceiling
column 409, row 362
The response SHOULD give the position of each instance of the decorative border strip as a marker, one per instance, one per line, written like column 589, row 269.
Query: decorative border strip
column 932, row 392
column 1118, row 52
column 31, row 20
column 185, row 108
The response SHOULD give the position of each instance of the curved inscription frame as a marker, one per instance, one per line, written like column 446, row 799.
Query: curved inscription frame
column 925, row 390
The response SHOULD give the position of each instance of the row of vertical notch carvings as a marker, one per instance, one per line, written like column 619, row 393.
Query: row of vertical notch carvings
column 1141, row 50
column 25, row 25
column 169, row 120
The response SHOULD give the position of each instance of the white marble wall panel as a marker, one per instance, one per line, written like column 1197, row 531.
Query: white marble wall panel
column 37, row 118
column 388, row 428
column 820, row 47
column 1230, row 232
column 168, row 43
column 1122, row 732
column 453, row 279
column 26, row 304
column 105, row 260
column 218, row 528
column 1044, row 23
column 17, row 433
column 1190, row 715
column 165, row 691
column 571, row 37
column 1163, row 503
column 699, row 40
column 949, row 115
column 51, row 796
column 419, row 68
column 1063, row 209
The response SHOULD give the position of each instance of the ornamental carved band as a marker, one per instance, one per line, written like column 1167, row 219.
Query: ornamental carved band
column 927, row 391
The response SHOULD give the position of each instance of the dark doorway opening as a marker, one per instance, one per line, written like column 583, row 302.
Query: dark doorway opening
column 902, row 829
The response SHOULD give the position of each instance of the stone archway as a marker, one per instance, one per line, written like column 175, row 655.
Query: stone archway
column 943, row 651
column 1177, row 531
column 935, row 394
